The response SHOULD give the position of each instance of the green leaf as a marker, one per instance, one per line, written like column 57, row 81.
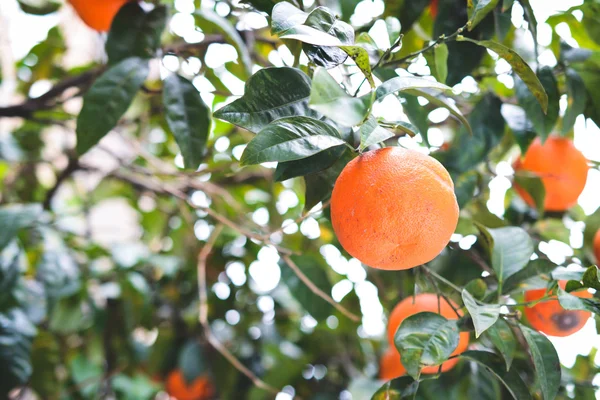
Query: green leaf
column 286, row 16
column 484, row 315
column 591, row 17
column 188, row 118
column 211, row 22
column 69, row 315
column 309, row 165
column 535, row 275
column 16, row 334
column 135, row 33
column 290, row 138
column 481, row 9
column 571, row 302
column 39, row 7
column 57, row 269
column 483, row 385
column 393, row 27
column 109, row 97
column 511, row 250
column 543, row 120
column 530, row 18
column 507, row 5
column 477, row 288
column 437, row 60
column 417, row 114
column 371, row 133
column 329, row 99
column 545, row 360
column 511, row 379
column 362, row 60
column 404, row 83
column 401, row 388
column 519, row 66
column 425, row 339
column 591, row 278
column 464, row 187
column 535, row 187
column 9, row 274
column 14, row 217
column 315, row 270
column 191, row 361
column 402, row 127
column 320, row 185
column 260, row 105
column 442, row 102
column 86, row 374
column 576, row 98
column 408, row 11
column 503, row 338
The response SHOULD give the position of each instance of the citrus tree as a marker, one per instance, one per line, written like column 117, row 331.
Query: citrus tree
column 311, row 199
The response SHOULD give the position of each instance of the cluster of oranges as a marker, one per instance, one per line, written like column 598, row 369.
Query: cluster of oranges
column 395, row 209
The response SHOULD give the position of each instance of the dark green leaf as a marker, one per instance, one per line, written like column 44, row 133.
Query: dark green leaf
column 502, row 22
column 425, row 339
column 591, row 278
column 402, row 127
column 511, row 379
column 15, row 217
column 519, row 66
column 543, row 120
column 314, row 269
column 309, row 165
column 535, row 187
column 39, row 7
column 535, row 275
column 545, row 360
column 591, row 20
column 571, row 302
column 437, row 60
column 576, row 98
column 210, row 21
column 325, row 21
column 329, row 99
column 188, row 118
column 442, row 102
column 9, row 273
column 260, row 105
column 192, row 361
column 286, row 16
column 511, row 252
column 483, row 385
column 371, row 133
column 408, row 11
column 290, row 138
column 135, row 33
column 57, row 268
column 401, row 388
column 480, row 10
column 507, row 5
column 417, row 114
column 69, row 315
column 109, row 97
column 320, row 185
column 530, row 18
column 483, row 315
column 16, row 334
column 504, row 340
column 464, row 187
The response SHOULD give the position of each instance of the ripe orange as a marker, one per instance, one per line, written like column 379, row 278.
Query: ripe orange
column 550, row 318
column 427, row 302
column 597, row 246
column 200, row 389
column 561, row 166
column 433, row 8
column 98, row 14
column 390, row 366
column 394, row 208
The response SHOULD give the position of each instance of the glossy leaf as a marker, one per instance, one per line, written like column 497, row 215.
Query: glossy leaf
column 404, row 83
column 519, row 66
column 329, row 99
column 309, row 165
column 534, row 186
column 324, row 20
column 188, row 118
column 511, row 252
column 576, row 98
column 543, row 120
column 260, row 105
column 15, row 217
column 211, row 21
column 535, row 275
column 481, row 9
column 483, row 315
column 314, row 269
column 135, row 33
column 109, row 97
column 545, row 360
column 483, row 385
column 371, row 133
column 503, row 338
column 511, row 379
column 286, row 16
column 425, row 339
column 320, row 185
column 290, row 138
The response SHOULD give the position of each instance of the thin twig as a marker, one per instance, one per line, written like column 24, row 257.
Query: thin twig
column 203, row 315
column 318, row 291
column 439, row 292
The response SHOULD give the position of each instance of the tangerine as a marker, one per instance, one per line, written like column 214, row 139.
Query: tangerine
column 200, row 389
column 433, row 8
column 562, row 168
column 550, row 318
column 390, row 366
column 394, row 208
column 597, row 246
column 98, row 14
column 427, row 302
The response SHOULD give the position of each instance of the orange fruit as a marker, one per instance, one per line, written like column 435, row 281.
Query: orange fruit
column 390, row 366
column 550, row 318
column 433, row 8
column 394, row 208
column 427, row 302
column 97, row 14
column 200, row 389
column 597, row 246
column 562, row 168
